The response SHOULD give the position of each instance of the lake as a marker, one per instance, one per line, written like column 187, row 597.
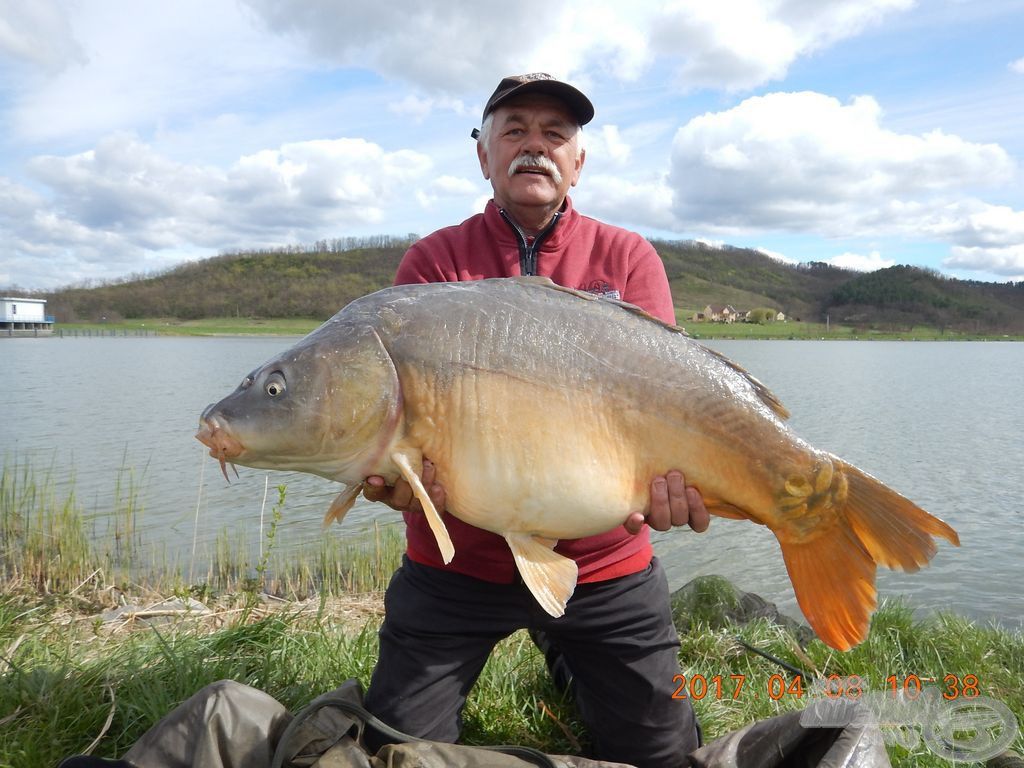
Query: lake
column 941, row 422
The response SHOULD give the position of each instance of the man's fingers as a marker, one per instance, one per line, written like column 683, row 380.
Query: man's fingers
column 635, row 522
column 659, row 516
column 402, row 496
column 678, row 504
column 700, row 518
column 674, row 503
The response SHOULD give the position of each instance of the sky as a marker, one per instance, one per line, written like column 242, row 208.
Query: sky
column 136, row 135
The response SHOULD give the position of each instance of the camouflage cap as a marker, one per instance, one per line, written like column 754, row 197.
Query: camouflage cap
column 541, row 82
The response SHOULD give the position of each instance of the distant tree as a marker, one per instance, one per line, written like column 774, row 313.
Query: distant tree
column 762, row 315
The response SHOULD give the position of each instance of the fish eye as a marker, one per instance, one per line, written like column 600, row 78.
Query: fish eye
column 275, row 385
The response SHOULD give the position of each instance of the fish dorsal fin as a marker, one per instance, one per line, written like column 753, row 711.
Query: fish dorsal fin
column 550, row 576
column 444, row 541
column 342, row 504
column 764, row 394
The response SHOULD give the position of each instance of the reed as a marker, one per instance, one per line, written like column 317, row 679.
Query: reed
column 49, row 544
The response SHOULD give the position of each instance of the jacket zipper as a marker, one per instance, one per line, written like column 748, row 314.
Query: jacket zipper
column 527, row 250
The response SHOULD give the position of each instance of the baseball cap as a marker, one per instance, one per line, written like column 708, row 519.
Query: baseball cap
column 541, row 82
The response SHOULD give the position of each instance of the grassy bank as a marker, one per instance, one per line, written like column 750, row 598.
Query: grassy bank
column 219, row 326
column 241, row 326
column 71, row 675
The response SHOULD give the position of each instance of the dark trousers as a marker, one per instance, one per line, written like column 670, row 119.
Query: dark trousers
column 616, row 637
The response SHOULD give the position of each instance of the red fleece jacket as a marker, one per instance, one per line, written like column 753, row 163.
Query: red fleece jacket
column 577, row 252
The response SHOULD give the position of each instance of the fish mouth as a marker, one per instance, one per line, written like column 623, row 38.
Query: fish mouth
column 223, row 446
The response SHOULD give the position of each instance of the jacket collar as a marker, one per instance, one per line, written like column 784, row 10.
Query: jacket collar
column 503, row 233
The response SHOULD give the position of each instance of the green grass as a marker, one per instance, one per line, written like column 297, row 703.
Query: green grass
column 234, row 326
column 64, row 672
column 833, row 332
column 217, row 326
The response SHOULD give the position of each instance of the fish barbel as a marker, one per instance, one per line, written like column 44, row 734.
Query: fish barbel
column 546, row 413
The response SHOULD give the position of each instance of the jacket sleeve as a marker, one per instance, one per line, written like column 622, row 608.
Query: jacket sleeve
column 425, row 263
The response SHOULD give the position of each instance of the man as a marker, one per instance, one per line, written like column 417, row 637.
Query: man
column 441, row 621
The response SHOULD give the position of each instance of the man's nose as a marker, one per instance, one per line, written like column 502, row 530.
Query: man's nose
column 534, row 144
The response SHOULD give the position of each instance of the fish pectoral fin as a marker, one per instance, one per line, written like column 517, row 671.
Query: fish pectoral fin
column 550, row 576
column 342, row 504
column 444, row 541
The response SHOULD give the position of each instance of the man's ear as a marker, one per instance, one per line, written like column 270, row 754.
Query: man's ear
column 579, row 167
column 481, row 153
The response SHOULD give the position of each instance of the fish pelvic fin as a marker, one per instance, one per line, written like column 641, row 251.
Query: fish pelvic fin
column 551, row 577
column 836, row 525
column 342, row 504
column 404, row 460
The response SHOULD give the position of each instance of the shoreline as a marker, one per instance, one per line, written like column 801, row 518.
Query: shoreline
column 291, row 327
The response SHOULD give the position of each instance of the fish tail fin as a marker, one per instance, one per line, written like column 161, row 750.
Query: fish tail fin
column 897, row 532
column 834, row 580
column 845, row 524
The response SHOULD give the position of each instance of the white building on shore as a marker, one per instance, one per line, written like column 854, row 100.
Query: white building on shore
column 24, row 317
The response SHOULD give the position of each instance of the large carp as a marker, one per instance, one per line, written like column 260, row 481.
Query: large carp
column 547, row 412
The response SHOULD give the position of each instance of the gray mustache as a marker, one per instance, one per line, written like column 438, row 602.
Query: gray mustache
column 535, row 161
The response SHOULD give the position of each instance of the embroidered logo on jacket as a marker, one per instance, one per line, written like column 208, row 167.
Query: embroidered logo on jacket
column 602, row 289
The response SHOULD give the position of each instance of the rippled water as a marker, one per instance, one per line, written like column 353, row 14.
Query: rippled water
column 942, row 423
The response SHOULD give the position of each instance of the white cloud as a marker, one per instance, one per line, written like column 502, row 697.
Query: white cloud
column 988, row 238
column 122, row 207
column 606, row 145
column 146, row 65
column 1007, row 262
column 645, row 204
column 806, row 162
column 860, row 262
column 39, row 33
column 471, row 46
column 420, row 108
column 446, row 187
column 1017, row 66
column 777, row 256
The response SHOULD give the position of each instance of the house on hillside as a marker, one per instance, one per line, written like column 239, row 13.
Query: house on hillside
column 718, row 313
column 24, row 317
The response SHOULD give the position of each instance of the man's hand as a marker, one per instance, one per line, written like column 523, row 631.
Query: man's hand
column 400, row 496
column 672, row 503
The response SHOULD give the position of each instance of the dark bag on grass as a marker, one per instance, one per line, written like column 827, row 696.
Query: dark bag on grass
column 329, row 734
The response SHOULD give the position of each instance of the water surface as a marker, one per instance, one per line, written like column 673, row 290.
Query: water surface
column 940, row 422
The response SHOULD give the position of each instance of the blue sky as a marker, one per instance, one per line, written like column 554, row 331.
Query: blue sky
column 137, row 135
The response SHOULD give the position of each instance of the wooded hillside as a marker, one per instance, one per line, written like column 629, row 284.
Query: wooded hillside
column 315, row 281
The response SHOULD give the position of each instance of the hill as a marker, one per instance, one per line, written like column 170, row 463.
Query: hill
column 315, row 281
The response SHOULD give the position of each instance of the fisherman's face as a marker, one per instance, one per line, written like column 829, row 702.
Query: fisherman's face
column 522, row 131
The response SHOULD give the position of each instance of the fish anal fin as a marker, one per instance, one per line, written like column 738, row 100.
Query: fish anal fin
column 404, row 461
column 342, row 504
column 551, row 577
column 725, row 509
column 834, row 580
